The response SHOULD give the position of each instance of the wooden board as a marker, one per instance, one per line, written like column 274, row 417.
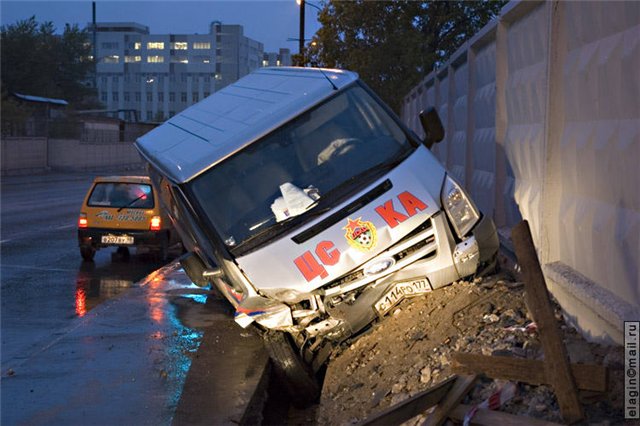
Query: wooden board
column 460, row 388
column 556, row 360
column 587, row 377
column 411, row 407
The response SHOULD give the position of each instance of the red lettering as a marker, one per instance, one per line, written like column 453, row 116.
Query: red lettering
column 326, row 257
column 392, row 217
column 309, row 266
column 410, row 203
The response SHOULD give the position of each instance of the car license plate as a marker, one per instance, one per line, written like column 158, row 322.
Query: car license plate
column 399, row 291
column 117, row 239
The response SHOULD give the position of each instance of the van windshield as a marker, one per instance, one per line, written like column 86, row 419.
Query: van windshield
column 303, row 167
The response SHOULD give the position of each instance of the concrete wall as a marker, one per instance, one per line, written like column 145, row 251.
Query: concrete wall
column 542, row 111
column 38, row 155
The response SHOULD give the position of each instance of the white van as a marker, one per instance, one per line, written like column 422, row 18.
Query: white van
column 313, row 209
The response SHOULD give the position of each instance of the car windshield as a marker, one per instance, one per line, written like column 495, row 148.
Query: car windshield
column 118, row 194
column 327, row 152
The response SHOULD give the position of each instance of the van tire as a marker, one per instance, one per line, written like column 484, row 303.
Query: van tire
column 298, row 378
column 87, row 253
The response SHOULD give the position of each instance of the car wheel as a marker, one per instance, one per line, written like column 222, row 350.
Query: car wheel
column 87, row 253
column 301, row 384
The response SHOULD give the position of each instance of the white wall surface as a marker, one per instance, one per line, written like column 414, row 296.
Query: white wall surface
column 542, row 112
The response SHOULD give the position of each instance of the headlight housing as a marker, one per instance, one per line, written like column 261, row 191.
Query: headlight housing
column 461, row 211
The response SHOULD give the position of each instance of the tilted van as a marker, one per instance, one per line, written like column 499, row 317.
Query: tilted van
column 310, row 206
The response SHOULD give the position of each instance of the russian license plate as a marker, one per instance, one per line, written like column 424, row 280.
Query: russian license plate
column 399, row 291
column 117, row 239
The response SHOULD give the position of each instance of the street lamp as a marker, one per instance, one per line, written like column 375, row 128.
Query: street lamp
column 302, row 4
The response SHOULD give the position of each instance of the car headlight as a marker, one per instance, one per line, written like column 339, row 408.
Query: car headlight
column 461, row 211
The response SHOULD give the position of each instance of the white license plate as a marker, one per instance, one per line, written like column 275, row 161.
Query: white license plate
column 117, row 239
column 399, row 291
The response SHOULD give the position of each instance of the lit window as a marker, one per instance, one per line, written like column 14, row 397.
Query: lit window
column 156, row 59
column 129, row 58
column 179, row 45
column 206, row 61
column 265, row 63
column 278, row 63
column 179, row 60
column 111, row 59
column 159, row 45
column 218, row 76
column 202, row 45
column 201, row 59
column 137, row 45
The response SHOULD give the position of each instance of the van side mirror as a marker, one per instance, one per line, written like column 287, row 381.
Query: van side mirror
column 432, row 125
column 196, row 270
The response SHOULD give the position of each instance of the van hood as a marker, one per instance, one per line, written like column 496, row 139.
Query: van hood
column 413, row 197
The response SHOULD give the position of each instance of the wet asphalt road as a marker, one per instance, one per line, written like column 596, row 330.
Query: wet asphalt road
column 115, row 341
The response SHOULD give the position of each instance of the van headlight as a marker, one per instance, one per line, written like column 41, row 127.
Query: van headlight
column 461, row 211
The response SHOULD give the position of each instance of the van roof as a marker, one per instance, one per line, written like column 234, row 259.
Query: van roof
column 211, row 130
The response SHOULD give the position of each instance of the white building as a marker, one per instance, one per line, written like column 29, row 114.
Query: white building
column 158, row 75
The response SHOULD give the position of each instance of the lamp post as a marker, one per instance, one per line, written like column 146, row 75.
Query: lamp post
column 302, row 4
column 301, row 42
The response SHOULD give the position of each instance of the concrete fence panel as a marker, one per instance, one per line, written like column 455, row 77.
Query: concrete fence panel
column 23, row 155
column 542, row 112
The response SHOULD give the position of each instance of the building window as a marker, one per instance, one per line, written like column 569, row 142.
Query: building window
column 218, row 52
column 172, row 113
column 127, row 78
column 111, row 59
column 179, row 60
column 265, row 63
column 137, row 45
column 149, row 97
column 201, row 59
column 278, row 63
column 138, row 97
column 172, row 97
column 109, row 45
column 155, row 45
column 104, row 80
column 218, row 76
column 149, row 115
column 103, row 96
column 183, row 96
column 115, row 79
column 179, row 45
column 115, row 96
column 127, row 98
column 137, row 78
column 206, row 94
column 202, row 45
column 160, row 96
column 207, row 78
column 183, row 78
column 130, row 58
column 155, row 59
column 194, row 96
column 218, row 67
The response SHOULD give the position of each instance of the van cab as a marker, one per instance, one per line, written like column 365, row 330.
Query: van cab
column 313, row 209
column 123, row 212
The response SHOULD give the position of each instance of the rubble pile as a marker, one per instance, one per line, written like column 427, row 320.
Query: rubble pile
column 412, row 350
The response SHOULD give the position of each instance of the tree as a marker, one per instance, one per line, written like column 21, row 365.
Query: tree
column 392, row 45
column 37, row 61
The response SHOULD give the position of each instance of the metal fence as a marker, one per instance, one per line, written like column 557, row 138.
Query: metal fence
column 542, row 112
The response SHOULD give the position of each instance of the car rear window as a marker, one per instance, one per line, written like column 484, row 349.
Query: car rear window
column 118, row 194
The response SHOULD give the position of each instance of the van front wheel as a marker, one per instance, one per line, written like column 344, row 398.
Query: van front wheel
column 301, row 384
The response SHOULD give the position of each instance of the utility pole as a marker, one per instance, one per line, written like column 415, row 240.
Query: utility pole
column 95, row 48
column 301, row 45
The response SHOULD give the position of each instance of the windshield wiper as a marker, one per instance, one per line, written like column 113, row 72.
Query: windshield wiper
column 130, row 203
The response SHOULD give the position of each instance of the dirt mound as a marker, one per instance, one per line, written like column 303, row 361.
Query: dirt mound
column 411, row 350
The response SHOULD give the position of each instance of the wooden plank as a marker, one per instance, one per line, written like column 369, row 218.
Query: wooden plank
column 556, row 362
column 460, row 388
column 587, row 376
column 492, row 418
column 411, row 407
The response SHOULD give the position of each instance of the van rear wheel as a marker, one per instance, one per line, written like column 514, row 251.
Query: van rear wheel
column 298, row 378
column 87, row 253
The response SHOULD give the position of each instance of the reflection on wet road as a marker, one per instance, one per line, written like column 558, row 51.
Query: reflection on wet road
column 123, row 362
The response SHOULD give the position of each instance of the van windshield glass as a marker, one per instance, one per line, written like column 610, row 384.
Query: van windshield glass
column 325, row 153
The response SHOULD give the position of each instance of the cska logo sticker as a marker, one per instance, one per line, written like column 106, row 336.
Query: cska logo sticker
column 360, row 234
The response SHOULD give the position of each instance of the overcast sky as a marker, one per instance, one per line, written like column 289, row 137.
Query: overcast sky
column 268, row 21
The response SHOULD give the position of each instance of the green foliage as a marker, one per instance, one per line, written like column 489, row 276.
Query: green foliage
column 37, row 61
column 392, row 45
